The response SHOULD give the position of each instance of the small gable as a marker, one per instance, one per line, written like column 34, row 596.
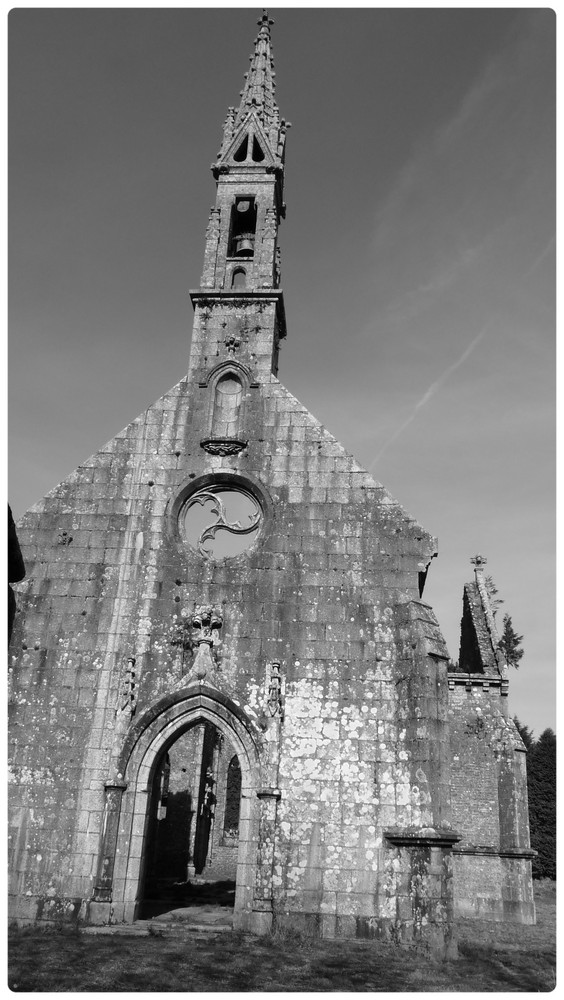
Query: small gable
column 477, row 655
column 249, row 146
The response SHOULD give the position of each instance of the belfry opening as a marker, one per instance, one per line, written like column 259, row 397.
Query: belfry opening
column 192, row 830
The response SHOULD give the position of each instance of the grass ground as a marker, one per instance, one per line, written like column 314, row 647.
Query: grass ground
column 493, row 958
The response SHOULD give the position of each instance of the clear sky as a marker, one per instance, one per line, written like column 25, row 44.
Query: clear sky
column 418, row 258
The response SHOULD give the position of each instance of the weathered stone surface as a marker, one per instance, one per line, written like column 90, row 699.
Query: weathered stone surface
column 492, row 863
column 307, row 654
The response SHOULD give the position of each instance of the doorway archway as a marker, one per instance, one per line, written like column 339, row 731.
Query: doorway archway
column 190, row 857
column 180, row 720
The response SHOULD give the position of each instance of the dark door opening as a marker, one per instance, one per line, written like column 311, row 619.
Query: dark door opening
column 192, row 838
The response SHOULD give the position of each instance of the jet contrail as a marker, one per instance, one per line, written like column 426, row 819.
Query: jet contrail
column 429, row 394
column 539, row 259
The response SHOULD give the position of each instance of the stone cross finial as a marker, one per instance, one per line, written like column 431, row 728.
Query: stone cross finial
column 265, row 19
column 478, row 562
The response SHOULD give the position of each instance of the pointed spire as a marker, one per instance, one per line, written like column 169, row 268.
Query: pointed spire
column 257, row 118
column 258, row 91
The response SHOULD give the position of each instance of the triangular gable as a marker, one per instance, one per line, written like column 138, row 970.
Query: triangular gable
column 145, row 425
column 477, row 652
column 251, row 131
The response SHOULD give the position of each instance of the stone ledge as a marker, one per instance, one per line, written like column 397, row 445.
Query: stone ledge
column 456, row 679
column 496, row 852
column 231, row 295
column 201, row 296
column 269, row 793
column 426, row 837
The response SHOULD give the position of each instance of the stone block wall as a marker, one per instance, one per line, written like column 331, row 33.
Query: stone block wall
column 492, row 862
column 329, row 590
column 109, row 579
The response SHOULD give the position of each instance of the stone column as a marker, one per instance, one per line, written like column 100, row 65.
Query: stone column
column 100, row 909
column 269, row 796
column 264, row 892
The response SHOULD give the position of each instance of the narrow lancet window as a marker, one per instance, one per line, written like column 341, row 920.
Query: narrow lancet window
column 232, row 799
column 227, row 406
column 258, row 155
column 241, row 155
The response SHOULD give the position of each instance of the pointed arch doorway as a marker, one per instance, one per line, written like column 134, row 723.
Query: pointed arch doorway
column 201, row 730
column 193, row 824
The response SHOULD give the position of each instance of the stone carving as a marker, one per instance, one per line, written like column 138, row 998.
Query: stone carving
column 223, row 446
column 275, row 699
column 227, row 130
column 198, row 631
column 204, row 620
column 205, row 623
column 128, row 697
column 180, row 635
column 217, row 504
column 269, row 231
column 232, row 343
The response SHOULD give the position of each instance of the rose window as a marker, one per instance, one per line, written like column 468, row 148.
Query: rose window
column 221, row 521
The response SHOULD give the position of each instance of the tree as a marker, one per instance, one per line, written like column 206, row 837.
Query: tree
column 492, row 590
column 541, row 786
column 510, row 643
column 524, row 732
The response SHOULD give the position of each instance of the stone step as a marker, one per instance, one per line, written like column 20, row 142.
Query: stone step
column 174, row 923
column 186, row 929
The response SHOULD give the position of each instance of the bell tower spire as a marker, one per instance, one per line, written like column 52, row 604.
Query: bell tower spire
column 241, row 276
column 258, row 91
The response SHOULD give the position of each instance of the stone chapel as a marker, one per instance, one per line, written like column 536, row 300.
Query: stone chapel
column 222, row 667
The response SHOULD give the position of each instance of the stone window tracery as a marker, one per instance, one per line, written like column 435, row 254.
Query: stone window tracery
column 221, row 521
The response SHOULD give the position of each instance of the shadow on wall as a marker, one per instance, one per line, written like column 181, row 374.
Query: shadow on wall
column 16, row 570
column 170, row 849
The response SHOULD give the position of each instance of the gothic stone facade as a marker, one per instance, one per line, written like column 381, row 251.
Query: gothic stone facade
column 223, row 574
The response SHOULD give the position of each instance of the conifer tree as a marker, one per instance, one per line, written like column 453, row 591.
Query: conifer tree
column 541, row 785
column 510, row 643
column 524, row 732
column 492, row 590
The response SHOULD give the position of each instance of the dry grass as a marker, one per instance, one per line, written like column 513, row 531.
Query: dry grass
column 493, row 958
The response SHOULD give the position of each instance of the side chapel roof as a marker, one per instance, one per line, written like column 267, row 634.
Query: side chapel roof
column 479, row 637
